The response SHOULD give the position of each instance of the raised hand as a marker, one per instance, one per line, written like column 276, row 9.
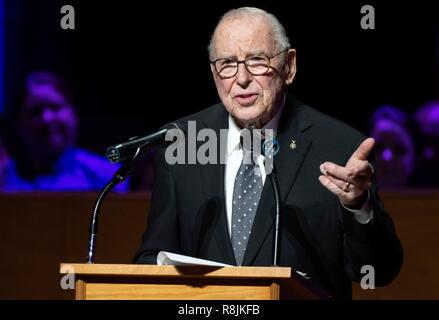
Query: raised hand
column 351, row 182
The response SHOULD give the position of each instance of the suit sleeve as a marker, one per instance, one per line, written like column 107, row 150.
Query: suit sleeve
column 162, row 228
column 375, row 243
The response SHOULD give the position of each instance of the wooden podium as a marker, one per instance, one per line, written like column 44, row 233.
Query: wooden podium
column 151, row 282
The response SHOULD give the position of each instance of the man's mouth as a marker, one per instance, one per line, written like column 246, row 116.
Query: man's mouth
column 246, row 99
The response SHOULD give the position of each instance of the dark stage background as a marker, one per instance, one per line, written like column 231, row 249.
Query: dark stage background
column 136, row 65
column 125, row 59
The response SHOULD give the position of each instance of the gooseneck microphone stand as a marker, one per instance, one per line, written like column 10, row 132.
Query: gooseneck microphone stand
column 125, row 153
column 273, row 179
column 274, row 184
column 270, row 149
column 120, row 175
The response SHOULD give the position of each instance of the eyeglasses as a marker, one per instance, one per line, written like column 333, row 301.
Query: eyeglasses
column 257, row 65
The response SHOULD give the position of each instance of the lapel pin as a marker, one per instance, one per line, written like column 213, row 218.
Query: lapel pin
column 293, row 144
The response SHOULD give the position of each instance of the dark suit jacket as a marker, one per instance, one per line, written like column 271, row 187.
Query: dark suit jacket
column 318, row 236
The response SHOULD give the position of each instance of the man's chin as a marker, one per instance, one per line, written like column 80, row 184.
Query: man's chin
column 247, row 113
column 244, row 121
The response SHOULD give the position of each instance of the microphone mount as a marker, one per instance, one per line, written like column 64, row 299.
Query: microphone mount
column 124, row 153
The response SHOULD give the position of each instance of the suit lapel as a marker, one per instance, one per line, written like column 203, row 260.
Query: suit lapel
column 294, row 146
column 212, row 176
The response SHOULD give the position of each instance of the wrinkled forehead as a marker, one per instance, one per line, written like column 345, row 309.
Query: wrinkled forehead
column 241, row 36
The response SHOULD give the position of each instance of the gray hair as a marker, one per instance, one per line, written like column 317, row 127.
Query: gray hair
column 280, row 36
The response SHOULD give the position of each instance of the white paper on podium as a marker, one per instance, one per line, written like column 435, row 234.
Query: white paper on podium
column 174, row 259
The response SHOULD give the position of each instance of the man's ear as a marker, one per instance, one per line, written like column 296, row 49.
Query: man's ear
column 290, row 66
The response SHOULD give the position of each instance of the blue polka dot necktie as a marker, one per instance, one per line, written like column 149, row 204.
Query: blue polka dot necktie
column 246, row 194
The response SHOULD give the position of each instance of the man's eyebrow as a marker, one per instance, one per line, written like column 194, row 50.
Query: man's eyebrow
column 228, row 56
column 256, row 53
column 249, row 54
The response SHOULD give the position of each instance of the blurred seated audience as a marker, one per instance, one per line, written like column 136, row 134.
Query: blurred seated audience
column 394, row 148
column 43, row 152
column 427, row 171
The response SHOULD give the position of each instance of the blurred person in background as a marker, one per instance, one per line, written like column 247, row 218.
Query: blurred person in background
column 427, row 171
column 394, row 148
column 43, row 151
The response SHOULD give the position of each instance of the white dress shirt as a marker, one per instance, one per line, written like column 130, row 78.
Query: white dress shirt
column 234, row 156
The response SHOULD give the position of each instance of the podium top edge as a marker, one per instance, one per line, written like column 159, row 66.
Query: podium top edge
column 138, row 270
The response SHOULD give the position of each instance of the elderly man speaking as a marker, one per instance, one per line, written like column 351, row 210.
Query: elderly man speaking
column 332, row 220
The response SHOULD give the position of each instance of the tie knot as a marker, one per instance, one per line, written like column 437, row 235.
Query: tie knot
column 249, row 156
column 250, row 142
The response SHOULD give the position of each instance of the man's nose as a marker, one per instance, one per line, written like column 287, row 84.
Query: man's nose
column 243, row 77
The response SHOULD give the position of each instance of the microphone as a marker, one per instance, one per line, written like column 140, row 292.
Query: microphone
column 128, row 150
column 125, row 153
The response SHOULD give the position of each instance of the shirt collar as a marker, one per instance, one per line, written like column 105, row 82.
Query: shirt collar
column 234, row 133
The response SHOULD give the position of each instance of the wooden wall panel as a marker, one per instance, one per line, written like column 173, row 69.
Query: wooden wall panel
column 40, row 230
